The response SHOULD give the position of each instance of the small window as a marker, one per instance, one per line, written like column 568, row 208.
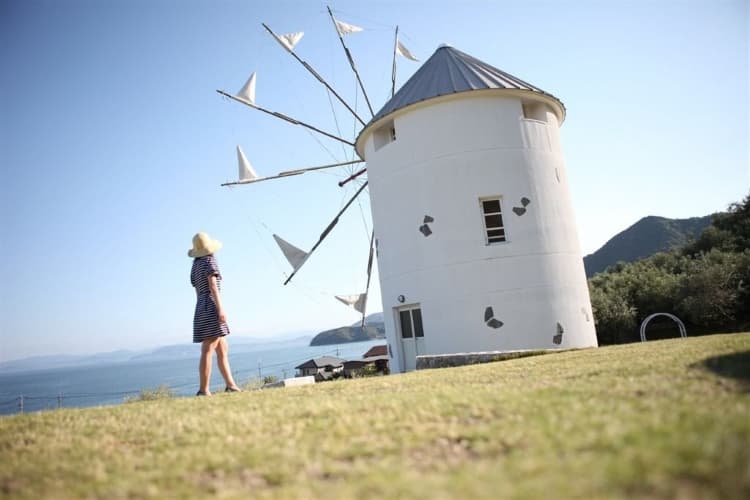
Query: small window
column 534, row 111
column 406, row 331
column 411, row 322
column 416, row 316
column 385, row 134
column 494, row 229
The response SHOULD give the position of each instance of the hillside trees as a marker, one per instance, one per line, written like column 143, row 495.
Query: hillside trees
column 706, row 283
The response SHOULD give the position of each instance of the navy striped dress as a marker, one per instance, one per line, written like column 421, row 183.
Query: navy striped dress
column 206, row 320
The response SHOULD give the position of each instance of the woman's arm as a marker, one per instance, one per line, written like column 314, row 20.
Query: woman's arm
column 214, row 288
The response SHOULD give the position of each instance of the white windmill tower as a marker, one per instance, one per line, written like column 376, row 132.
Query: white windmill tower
column 476, row 236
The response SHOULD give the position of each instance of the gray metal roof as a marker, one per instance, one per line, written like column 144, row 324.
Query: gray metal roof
column 321, row 362
column 450, row 71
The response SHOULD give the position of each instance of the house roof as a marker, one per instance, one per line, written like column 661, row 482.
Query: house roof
column 321, row 362
column 354, row 363
column 450, row 71
column 377, row 350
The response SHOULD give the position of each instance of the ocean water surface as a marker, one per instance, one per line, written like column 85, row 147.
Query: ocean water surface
column 112, row 383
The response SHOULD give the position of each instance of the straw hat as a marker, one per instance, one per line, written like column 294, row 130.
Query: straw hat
column 203, row 245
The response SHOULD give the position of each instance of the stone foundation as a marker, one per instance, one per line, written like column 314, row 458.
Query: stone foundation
column 473, row 358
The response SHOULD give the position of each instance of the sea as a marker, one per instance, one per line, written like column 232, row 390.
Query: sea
column 113, row 383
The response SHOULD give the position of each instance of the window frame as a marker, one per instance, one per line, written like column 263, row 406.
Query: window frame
column 414, row 332
column 384, row 135
column 493, row 239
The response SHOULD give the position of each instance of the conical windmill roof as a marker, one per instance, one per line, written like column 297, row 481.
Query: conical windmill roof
column 450, row 71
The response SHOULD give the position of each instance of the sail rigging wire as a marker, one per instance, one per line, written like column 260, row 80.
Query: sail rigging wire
column 330, row 153
column 369, row 275
column 393, row 70
column 362, row 213
column 283, row 117
column 315, row 137
column 328, row 229
column 368, row 21
column 351, row 60
column 315, row 74
column 353, row 152
column 335, row 120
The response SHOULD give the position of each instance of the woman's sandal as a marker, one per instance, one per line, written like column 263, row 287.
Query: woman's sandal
column 232, row 389
column 201, row 393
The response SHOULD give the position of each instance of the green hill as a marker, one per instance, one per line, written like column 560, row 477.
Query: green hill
column 644, row 238
column 663, row 419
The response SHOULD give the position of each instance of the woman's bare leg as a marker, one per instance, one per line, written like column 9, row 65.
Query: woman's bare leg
column 204, row 367
column 222, row 358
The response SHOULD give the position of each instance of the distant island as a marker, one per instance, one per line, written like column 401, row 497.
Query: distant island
column 374, row 329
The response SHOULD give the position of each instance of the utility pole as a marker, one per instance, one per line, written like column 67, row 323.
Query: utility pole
column 20, row 403
column 59, row 400
column 260, row 375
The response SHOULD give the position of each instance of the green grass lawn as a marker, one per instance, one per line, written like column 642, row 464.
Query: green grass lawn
column 664, row 419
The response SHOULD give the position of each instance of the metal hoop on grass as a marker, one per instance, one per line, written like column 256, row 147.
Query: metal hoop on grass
column 680, row 324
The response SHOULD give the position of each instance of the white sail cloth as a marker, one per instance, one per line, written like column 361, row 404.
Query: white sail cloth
column 290, row 40
column 247, row 92
column 346, row 28
column 403, row 51
column 356, row 301
column 247, row 172
column 294, row 255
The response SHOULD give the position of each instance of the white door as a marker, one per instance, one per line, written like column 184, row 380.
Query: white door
column 412, row 336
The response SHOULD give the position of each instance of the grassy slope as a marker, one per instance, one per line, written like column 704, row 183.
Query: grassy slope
column 644, row 420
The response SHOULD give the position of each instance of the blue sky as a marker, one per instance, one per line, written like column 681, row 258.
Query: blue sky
column 114, row 144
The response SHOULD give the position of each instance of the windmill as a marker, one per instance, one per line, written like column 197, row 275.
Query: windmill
column 472, row 218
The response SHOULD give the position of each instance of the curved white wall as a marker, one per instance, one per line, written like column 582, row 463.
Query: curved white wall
column 448, row 154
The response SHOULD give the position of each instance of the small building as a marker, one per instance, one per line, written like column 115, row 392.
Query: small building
column 377, row 350
column 322, row 368
column 376, row 356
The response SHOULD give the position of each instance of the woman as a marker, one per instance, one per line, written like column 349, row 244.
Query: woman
column 210, row 321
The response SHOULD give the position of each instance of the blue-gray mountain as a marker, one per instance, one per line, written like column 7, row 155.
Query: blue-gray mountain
column 644, row 238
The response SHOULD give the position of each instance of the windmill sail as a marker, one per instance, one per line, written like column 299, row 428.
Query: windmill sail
column 294, row 255
column 247, row 92
column 247, row 172
column 290, row 40
column 346, row 28
column 356, row 301
column 403, row 51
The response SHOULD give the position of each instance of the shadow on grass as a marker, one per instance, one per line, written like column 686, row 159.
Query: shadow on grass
column 735, row 365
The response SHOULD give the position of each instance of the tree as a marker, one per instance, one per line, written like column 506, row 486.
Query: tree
column 729, row 231
column 614, row 315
